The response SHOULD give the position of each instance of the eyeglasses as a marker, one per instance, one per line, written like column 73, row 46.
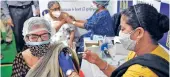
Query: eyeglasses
column 34, row 37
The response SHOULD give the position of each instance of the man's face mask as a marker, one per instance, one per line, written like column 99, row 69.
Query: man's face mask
column 56, row 13
column 38, row 49
column 128, row 43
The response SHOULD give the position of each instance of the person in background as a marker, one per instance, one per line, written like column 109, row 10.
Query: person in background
column 63, row 31
column 141, row 29
column 4, row 28
column 116, row 23
column 76, row 33
column 46, row 11
column 42, row 58
column 16, row 13
column 100, row 23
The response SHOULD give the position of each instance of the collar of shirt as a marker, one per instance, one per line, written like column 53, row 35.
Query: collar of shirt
column 159, row 51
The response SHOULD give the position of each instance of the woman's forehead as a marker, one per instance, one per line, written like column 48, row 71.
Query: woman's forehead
column 123, row 18
column 39, row 31
column 37, row 26
column 123, row 22
column 55, row 6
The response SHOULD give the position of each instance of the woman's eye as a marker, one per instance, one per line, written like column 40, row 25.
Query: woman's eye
column 33, row 37
column 45, row 35
column 122, row 29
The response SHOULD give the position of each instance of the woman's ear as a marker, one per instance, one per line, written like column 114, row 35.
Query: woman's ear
column 139, row 33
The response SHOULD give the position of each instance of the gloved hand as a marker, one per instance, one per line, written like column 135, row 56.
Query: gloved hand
column 65, row 62
column 103, row 46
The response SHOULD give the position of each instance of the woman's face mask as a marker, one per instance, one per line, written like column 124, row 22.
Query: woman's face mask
column 128, row 43
column 38, row 49
column 56, row 13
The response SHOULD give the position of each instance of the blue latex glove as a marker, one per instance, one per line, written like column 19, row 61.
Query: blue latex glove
column 103, row 46
column 65, row 62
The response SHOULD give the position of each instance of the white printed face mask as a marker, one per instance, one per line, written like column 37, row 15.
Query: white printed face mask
column 126, row 41
column 56, row 13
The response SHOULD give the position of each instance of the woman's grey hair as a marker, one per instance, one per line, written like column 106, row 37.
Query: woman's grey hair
column 51, row 3
column 34, row 21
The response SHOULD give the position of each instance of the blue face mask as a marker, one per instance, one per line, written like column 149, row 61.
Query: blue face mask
column 38, row 43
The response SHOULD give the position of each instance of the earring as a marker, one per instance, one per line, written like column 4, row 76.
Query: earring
column 137, row 41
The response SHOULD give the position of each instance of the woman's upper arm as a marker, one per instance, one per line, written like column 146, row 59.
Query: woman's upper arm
column 139, row 71
column 71, row 28
column 16, row 67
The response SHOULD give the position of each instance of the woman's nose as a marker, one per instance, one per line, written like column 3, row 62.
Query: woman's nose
column 39, row 39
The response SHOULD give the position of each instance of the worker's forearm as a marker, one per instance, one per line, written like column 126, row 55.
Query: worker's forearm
column 82, row 21
column 109, row 70
column 102, row 65
column 79, row 24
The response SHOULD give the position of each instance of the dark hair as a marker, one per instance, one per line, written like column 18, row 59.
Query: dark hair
column 45, row 12
column 72, row 18
column 51, row 3
column 147, row 17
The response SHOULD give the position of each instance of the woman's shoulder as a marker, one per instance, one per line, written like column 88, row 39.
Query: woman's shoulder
column 104, row 13
column 48, row 17
column 19, row 65
column 138, row 70
column 26, row 54
column 131, row 55
column 21, row 55
column 64, row 14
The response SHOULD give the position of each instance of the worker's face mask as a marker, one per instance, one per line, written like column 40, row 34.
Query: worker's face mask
column 38, row 49
column 126, row 41
column 56, row 13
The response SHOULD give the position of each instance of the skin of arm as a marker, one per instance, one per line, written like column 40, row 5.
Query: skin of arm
column 82, row 21
column 72, row 33
column 57, row 27
column 102, row 64
column 95, row 59
column 36, row 4
column 78, row 23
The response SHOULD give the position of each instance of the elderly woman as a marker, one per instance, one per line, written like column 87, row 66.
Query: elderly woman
column 141, row 29
column 100, row 23
column 41, row 58
column 63, row 31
